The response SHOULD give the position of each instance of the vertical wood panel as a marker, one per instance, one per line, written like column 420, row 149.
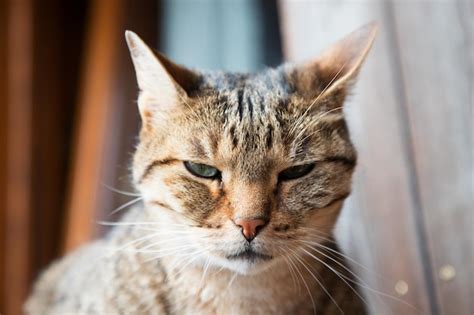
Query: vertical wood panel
column 94, row 120
column 378, row 228
column 435, row 47
column 108, row 122
column 18, row 154
column 142, row 20
column 3, row 144
column 56, row 53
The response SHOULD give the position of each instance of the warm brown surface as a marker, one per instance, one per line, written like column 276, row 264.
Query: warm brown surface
column 18, row 154
column 93, row 120
column 108, row 119
column 57, row 44
column 3, row 144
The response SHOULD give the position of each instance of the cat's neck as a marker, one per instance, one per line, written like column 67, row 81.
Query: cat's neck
column 281, row 286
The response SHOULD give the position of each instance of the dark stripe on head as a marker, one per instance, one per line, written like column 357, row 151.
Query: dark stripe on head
column 262, row 106
column 350, row 162
column 154, row 164
column 233, row 137
column 239, row 103
column 250, row 105
column 198, row 148
column 269, row 136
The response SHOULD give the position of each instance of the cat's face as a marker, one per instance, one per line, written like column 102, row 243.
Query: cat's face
column 245, row 170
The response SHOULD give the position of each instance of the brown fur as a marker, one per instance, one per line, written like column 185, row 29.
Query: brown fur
column 251, row 127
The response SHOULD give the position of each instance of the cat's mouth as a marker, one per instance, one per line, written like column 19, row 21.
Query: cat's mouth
column 249, row 255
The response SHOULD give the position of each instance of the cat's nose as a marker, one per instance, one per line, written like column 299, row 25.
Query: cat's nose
column 250, row 227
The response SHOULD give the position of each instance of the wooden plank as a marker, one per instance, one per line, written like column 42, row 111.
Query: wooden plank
column 18, row 154
column 55, row 78
column 94, row 119
column 125, row 117
column 120, row 119
column 378, row 228
column 436, row 59
column 3, row 143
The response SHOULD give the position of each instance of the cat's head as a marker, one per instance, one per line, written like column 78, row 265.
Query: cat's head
column 243, row 169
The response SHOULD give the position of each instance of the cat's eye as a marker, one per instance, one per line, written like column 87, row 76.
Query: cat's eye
column 296, row 171
column 202, row 170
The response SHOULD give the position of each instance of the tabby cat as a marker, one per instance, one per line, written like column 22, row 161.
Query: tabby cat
column 242, row 178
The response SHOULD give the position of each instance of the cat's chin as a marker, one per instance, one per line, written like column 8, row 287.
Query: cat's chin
column 245, row 265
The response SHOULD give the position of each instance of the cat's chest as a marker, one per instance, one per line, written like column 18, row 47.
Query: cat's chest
column 194, row 295
column 210, row 301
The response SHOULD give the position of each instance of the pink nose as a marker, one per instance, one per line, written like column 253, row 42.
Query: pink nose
column 250, row 227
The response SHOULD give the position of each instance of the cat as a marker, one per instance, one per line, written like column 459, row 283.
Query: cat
column 242, row 178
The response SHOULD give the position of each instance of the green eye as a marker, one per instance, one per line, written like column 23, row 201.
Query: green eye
column 202, row 170
column 296, row 171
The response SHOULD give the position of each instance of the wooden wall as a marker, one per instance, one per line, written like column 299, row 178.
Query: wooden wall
column 409, row 220
column 68, row 80
column 42, row 67
column 107, row 119
column 39, row 58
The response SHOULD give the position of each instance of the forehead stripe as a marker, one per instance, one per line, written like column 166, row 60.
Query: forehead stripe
column 239, row 104
column 154, row 164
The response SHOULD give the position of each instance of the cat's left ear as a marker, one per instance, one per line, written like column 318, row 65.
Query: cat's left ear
column 337, row 67
column 163, row 84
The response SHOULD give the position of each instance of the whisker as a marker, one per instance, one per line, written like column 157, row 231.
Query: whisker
column 319, row 282
column 191, row 260
column 362, row 283
column 125, row 223
column 304, row 282
column 337, row 274
column 345, row 257
column 206, row 267
column 290, row 270
column 173, row 251
column 300, row 119
column 125, row 205
column 232, row 279
column 123, row 192
column 140, row 239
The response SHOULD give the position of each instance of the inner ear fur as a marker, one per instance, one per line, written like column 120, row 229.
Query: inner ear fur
column 335, row 70
column 164, row 85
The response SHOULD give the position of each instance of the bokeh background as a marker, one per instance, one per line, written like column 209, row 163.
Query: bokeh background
column 68, row 125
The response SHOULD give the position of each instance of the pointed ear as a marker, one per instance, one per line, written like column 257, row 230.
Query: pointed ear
column 163, row 84
column 337, row 67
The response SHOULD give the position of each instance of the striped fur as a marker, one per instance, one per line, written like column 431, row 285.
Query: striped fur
column 185, row 254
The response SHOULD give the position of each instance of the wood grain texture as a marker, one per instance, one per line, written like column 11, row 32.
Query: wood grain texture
column 18, row 154
column 142, row 20
column 378, row 227
column 435, row 47
column 93, row 121
column 57, row 43
column 3, row 144
column 109, row 119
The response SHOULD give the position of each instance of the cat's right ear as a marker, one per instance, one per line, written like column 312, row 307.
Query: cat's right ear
column 163, row 84
column 335, row 70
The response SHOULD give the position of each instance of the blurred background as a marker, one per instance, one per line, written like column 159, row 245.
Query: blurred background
column 68, row 125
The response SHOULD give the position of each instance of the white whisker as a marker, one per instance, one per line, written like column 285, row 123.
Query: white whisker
column 304, row 282
column 123, row 192
column 319, row 282
column 127, row 204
